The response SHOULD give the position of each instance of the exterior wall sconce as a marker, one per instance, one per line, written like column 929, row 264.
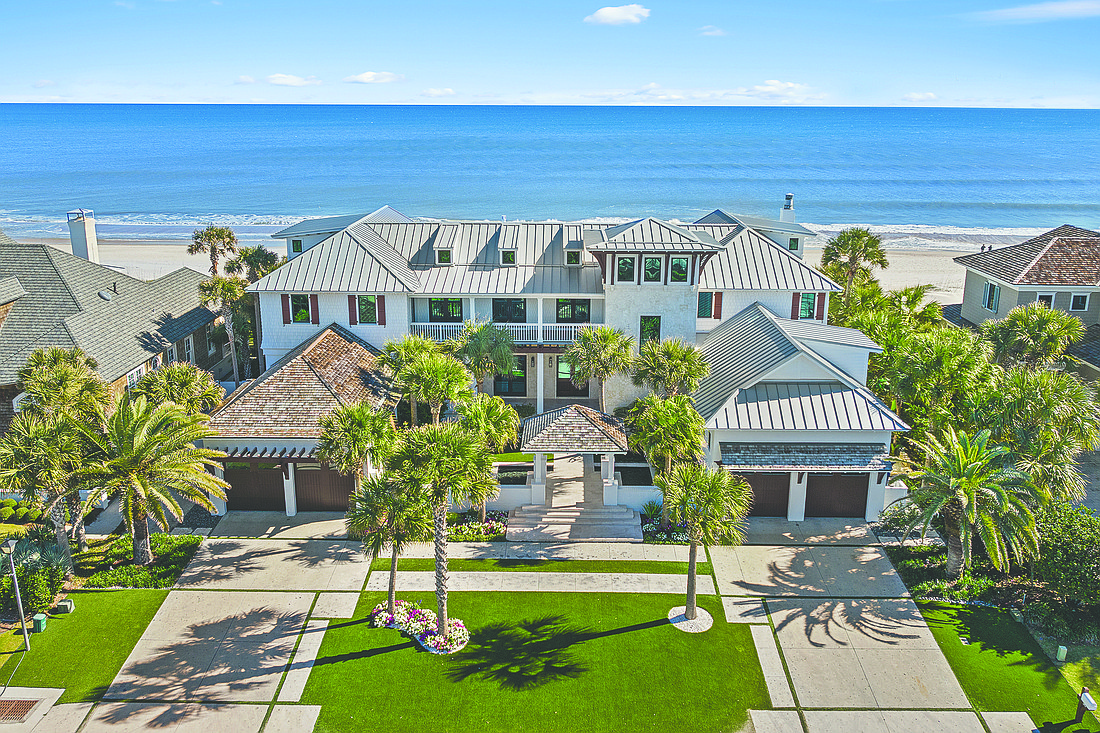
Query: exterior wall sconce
column 551, row 361
column 532, row 359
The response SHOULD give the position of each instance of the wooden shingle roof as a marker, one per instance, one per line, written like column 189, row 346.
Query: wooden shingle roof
column 573, row 429
column 1067, row 255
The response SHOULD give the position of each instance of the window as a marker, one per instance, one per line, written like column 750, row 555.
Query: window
column 368, row 308
column 792, row 244
column 651, row 270
column 991, row 298
column 565, row 385
column 514, row 383
column 1079, row 302
column 678, row 270
column 625, row 272
column 189, row 349
column 509, row 310
column 133, row 377
column 1047, row 299
column 573, row 311
column 156, row 363
column 650, row 329
column 706, row 305
column 508, row 257
column 445, row 310
column 299, row 309
column 443, row 257
column 170, row 354
column 806, row 305
column 211, row 340
column 573, row 257
column 296, row 246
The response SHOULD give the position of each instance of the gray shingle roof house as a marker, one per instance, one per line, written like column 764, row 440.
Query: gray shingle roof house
column 52, row 298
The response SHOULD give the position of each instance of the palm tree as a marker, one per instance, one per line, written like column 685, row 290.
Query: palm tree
column 670, row 367
column 356, row 436
column 913, row 304
column 966, row 484
column 1032, row 335
column 223, row 292
column 599, row 352
column 494, row 420
column 216, row 242
column 192, row 388
column 384, row 512
column 437, row 378
column 485, row 349
column 452, row 465
column 398, row 355
column 854, row 251
column 254, row 262
column 146, row 455
column 712, row 504
column 36, row 459
column 666, row 428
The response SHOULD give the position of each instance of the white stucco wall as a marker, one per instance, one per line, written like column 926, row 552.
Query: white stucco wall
column 852, row 360
column 307, row 242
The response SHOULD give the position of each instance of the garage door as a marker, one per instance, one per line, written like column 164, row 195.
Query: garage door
column 320, row 489
column 255, row 486
column 769, row 492
column 836, row 495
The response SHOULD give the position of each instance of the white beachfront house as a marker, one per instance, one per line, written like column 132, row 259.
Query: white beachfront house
column 734, row 285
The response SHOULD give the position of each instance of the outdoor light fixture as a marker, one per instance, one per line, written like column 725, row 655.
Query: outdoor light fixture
column 532, row 359
column 8, row 548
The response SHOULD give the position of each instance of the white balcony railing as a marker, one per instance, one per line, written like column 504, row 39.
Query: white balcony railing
column 561, row 333
column 522, row 333
column 436, row 331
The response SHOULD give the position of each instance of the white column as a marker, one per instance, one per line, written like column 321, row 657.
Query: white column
column 539, row 311
column 876, row 495
column 220, row 508
column 289, row 494
column 796, row 499
column 538, row 481
column 540, row 378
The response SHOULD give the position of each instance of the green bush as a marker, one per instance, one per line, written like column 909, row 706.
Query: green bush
column 1069, row 552
column 967, row 588
column 21, row 515
column 5, row 513
column 8, row 503
column 109, row 563
column 34, row 515
column 524, row 409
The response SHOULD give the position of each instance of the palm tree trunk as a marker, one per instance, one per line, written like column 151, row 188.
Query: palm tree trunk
column 691, row 611
column 392, row 600
column 77, row 518
column 57, row 515
column 665, row 522
column 143, row 548
column 439, row 520
column 481, row 512
column 227, row 316
column 412, row 411
column 436, row 409
column 603, row 400
column 955, row 557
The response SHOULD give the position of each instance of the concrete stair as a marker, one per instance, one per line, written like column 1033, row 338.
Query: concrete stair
column 579, row 522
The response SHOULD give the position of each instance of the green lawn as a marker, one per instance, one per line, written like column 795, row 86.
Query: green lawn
column 541, row 662
column 552, row 566
column 84, row 650
column 1003, row 668
column 519, row 458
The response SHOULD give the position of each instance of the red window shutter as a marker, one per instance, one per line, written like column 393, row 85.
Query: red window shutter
column 286, row 308
column 381, row 309
column 821, row 306
column 314, row 310
column 795, row 302
column 717, row 306
column 353, row 310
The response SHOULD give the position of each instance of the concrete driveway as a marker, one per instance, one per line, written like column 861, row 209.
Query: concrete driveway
column 298, row 565
column 277, row 525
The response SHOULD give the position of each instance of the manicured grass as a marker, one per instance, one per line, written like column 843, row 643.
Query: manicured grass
column 550, row 566
column 8, row 529
column 518, row 458
column 1082, row 665
column 83, row 651
column 108, row 562
column 1003, row 668
column 541, row 662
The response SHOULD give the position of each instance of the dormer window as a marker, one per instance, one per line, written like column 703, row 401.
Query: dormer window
column 651, row 270
column 296, row 246
column 508, row 257
column 443, row 257
column 792, row 244
column 625, row 269
column 573, row 258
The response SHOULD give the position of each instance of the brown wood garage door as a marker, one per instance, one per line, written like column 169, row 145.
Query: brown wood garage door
column 836, row 495
column 257, row 487
column 770, row 491
column 320, row 489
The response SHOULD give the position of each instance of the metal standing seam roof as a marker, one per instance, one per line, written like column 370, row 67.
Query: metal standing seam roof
column 1012, row 263
column 751, row 261
column 571, row 429
column 334, row 224
column 718, row 216
column 814, row 331
column 806, row 406
column 648, row 234
column 756, row 457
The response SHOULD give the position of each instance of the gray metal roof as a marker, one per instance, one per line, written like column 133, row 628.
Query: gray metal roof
column 755, row 457
column 806, row 406
column 814, row 331
column 754, row 222
column 575, row 428
column 333, row 224
column 5, row 239
column 10, row 289
column 750, row 261
column 648, row 234
column 517, row 280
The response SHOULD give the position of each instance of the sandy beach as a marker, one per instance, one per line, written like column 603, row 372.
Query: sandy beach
column 151, row 259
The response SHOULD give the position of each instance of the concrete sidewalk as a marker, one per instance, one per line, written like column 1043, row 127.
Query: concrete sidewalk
column 544, row 581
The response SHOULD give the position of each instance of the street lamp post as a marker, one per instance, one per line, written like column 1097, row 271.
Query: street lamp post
column 8, row 548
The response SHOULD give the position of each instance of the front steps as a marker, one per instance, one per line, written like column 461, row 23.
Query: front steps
column 580, row 522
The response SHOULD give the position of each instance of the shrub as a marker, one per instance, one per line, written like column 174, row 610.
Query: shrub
column 1069, row 552
column 5, row 513
column 34, row 515
column 21, row 515
column 652, row 508
column 967, row 588
column 899, row 517
column 512, row 477
column 8, row 503
column 108, row 564
column 524, row 409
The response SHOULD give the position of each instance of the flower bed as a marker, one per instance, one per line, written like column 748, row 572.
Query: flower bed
column 419, row 623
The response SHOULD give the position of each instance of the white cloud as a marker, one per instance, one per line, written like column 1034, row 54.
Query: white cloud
column 44, row 83
column 245, row 79
column 770, row 92
column 619, row 15
column 290, row 80
column 124, row 4
column 711, row 30
column 445, row 92
column 1041, row 12
column 919, row 97
column 374, row 77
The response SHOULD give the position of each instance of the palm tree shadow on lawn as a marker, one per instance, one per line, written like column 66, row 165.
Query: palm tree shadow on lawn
column 530, row 653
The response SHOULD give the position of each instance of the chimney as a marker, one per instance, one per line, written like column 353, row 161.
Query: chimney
column 787, row 214
column 82, row 234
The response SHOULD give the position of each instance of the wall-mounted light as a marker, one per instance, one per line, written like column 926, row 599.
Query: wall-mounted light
column 551, row 361
column 532, row 359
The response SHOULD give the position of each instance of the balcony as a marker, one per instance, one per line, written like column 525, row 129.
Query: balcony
column 522, row 333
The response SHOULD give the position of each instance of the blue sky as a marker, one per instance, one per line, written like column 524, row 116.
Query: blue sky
column 997, row 53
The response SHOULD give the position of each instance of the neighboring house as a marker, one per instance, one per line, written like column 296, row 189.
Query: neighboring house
column 129, row 326
column 269, row 428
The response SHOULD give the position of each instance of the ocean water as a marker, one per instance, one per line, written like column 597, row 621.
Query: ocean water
column 921, row 177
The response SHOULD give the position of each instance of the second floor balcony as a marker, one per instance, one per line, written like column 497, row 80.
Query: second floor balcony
column 522, row 333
